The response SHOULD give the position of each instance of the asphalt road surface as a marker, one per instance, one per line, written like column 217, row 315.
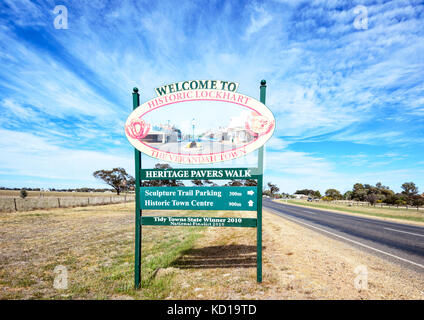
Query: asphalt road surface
column 398, row 242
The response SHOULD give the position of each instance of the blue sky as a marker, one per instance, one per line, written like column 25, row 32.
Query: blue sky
column 349, row 101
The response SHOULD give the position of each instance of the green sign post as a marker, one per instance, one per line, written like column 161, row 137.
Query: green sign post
column 198, row 198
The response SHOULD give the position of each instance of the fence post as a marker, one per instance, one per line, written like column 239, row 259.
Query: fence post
column 16, row 208
column 58, row 202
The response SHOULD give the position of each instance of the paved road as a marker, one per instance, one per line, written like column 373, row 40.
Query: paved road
column 400, row 243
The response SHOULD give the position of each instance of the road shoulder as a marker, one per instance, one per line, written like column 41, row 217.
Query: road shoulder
column 401, row 221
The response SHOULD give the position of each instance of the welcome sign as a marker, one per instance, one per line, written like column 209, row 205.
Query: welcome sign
column 216, row 143
column 249, row 124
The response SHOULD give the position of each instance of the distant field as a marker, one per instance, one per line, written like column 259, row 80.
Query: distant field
column 394, row 213
column 10, row 201
column 15, row 194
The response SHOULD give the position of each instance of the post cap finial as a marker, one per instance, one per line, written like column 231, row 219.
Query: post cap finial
column 135, row 89
column 263, row 82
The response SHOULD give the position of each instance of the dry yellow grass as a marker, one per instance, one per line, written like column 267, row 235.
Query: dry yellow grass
column 56, row 194
column 96, row 245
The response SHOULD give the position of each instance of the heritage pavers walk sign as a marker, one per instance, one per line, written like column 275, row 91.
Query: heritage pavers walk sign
column 168, row 143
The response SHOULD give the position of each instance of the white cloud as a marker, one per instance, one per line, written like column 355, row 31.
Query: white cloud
column 27, row 155
column 323, row 75
column 258, row 20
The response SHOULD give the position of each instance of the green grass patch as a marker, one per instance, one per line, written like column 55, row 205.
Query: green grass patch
column 115, row 277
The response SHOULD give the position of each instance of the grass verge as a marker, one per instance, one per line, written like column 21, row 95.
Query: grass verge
column 393, row 213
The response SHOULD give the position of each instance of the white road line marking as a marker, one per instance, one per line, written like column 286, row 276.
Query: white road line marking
column 415, row 234
column 356, row 242
column 310, row 212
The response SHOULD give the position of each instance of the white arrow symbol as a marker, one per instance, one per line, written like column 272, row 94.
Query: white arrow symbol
column 250, row 192
column 250, row 203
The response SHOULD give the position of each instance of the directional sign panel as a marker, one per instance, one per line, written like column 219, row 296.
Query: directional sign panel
column 199, row 221
column 199, row 198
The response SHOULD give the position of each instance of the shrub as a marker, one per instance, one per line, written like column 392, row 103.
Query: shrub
column 23, row 193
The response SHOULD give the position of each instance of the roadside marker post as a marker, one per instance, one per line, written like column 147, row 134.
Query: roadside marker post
column 241, row 198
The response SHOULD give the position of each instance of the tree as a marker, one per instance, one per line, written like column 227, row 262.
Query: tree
column 380, row 186
column 23, row 193
column 306, row 192
column 371, row 198
column 203, row 182
column 348, row 195
column 409, row 189
column 333, row 193
column 391, row 199
column 130, row 183
column 250, row 183
column 359, row 192
column 209, row 182
column 234, row 183
column 273, row 188
column 417, row 200
column 197, row 182
column 117, row 178
column 309, row 192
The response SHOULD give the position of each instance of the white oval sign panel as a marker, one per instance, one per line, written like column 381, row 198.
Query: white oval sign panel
column 198, row 122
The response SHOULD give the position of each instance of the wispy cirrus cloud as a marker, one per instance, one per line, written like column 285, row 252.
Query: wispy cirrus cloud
column 327, row 81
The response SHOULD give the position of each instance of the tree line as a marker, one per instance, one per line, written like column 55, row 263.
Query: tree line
column 120, row 180
column 372, row 194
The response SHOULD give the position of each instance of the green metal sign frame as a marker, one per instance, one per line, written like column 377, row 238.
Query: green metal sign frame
column 193, row 174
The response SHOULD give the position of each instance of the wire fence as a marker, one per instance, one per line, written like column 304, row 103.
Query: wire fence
column 33, row 203
column 376, row 205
